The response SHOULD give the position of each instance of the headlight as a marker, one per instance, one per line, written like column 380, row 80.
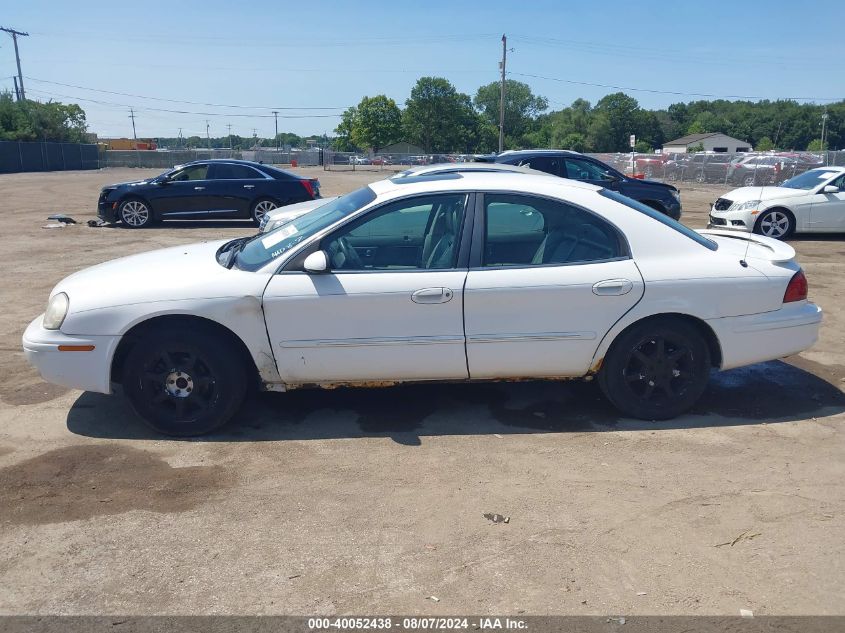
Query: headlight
column 743, row 206
column 269, row 225
column 56, row 312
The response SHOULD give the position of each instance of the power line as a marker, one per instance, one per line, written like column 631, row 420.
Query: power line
column 200, row 103
column 672, row 92
column 169, row 111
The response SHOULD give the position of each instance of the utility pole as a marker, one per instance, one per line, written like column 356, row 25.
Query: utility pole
column 276, row 118
column 179, row 139
column 14, row 33
column 229, row 127
column 207, row 135
column 824, row 129
column 502, row 64
column 17, row 92
column 134, row 134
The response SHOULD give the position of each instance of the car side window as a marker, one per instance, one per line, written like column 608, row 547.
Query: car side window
column 548, row 164
column 192, row 172
column 224, row 171
column 839, row 182
column 418, row 233
column 528, row 231
column 584, row 170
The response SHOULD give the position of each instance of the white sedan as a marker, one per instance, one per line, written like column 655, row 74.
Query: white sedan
column 454, row 277
column 812, row 202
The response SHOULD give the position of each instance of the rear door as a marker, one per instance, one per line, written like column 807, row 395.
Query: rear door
column 233, row 188
column 541, row 312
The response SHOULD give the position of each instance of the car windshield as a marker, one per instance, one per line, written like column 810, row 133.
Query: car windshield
column 809, row 179
column 660, row 217
column 266, row 247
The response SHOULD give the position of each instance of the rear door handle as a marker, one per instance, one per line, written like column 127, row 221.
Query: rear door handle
column 198, row 188
column 249, row 186
column 432, row 295
column 613, row 287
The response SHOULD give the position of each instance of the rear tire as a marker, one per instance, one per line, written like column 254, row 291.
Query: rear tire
column 184, row 382
column 656, row 369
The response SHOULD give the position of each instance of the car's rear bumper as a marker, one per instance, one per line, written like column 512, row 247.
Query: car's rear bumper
column 74, row 365
column 760, row 337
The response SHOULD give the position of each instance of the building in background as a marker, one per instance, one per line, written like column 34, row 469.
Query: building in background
column 710, row 141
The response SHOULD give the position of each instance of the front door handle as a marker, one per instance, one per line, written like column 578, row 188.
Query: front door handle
column 613, row 287
column 249, row 186
column 432, row 295
column 198, row 188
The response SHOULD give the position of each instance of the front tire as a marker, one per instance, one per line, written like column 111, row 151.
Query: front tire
column 656, row 369
column 261, row 207
column 184, row 382
column 776, row 223
column 135, row 213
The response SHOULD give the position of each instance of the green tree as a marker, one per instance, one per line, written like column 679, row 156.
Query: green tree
column 521, row 107
column 764, row 144
column 343, row 141
column 439, row 118
column 37, row 121
column 815, row 145
column 377, row 122
column 622, row 115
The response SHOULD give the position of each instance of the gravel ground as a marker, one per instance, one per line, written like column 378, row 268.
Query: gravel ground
column 372, row 501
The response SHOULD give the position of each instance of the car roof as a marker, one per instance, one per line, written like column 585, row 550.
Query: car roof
column 534, row 152
column 831, row 168
column 236, row 161
column 447, row 168
column 481, row 180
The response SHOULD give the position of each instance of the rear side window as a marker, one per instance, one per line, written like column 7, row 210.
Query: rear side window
column 225, row 171
column 548, row 164
column 663, row 219
column 530, row 231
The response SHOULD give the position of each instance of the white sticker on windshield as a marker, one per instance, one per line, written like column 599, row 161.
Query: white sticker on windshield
column 278, row 235
column 826, row 174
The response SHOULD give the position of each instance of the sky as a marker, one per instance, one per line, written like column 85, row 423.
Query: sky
column 310, row 60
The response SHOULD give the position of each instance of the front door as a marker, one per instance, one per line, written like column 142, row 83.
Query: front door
column 827, row 212
column 389, row 309
column 185, row 195
column 548, row 283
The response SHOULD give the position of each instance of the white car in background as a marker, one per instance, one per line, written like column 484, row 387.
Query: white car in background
column 812, row 202
column 460, row 276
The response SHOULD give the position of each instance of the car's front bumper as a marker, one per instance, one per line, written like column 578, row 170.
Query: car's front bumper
column 107, row 209
column 755, row 338
column 731, row 220
column 65, row 359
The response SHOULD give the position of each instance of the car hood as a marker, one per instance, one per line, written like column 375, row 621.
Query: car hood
column 291, row 211
column 744, row 194
column 652, row 183
column 131, row 183
column 171, row 274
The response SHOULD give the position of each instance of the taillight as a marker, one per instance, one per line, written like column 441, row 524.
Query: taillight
column 797, row 288
column 308, row 187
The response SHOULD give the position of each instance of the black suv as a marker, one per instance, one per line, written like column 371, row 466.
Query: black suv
column 567, row 164
column 205, row 189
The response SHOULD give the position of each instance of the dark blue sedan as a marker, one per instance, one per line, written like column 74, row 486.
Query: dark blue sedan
column 205, row 189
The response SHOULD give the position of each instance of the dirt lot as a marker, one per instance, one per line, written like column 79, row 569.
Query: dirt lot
column 372, row 501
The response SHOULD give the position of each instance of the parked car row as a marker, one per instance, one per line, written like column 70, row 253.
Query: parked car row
column 490, row 272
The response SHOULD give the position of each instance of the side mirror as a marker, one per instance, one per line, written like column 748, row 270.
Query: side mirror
column 316, row 263
column 611, row 177
column 163, row 180
column 830, row 189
